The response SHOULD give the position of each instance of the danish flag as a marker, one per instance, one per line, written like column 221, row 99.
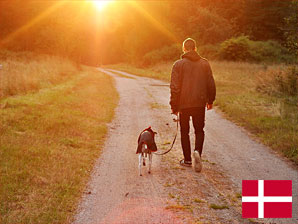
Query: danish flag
column 266, row 198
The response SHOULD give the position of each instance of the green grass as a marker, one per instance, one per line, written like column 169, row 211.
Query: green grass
column 161, row 71
column 238, row 195
column 168, row 184
column 157, row 106
column 178, row 207
column 171, row 195
column 207, row 161
column 197, row 200
column 218, row 207
column 271, row 117
column 122, row 75
column 175, row 207
column 25, row 72
column 49, row 142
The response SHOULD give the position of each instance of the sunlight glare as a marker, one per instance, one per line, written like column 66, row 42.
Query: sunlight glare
column 101, row 4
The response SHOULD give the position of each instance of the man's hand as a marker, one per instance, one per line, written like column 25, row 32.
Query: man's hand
column 175, row 112
column 209, row 106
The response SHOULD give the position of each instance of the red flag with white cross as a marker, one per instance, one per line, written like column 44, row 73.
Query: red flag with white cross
column 266, row 198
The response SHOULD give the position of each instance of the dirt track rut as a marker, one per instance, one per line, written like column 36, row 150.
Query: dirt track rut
column 173, row 194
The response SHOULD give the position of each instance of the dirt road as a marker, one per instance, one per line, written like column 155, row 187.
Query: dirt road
column 174, row 194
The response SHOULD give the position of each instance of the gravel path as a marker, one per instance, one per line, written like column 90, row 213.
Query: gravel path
column 173, row 194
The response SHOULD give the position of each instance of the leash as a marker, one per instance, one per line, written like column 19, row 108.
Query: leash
column 177, row 128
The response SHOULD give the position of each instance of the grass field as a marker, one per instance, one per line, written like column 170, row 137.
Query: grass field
column 49, row 141
column 261, row 98
column 24, row 72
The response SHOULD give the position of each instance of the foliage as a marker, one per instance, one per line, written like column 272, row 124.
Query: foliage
column 264, row 19
column 235, row 49
column 167, row 53
column 209, row 27
column 269, row 51
column 173, row 53
column 210, row 51
column 291, row 29
column 129, row 30
column 241, row 48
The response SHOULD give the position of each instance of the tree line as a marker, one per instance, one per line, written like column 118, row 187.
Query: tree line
column 136, row 31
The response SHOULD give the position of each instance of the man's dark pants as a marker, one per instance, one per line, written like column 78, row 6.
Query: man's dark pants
column 198, row 120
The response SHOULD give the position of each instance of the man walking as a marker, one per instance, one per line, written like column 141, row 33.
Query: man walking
column 192, row 89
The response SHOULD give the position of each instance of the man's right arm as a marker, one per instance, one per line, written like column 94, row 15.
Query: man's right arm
column 175, row 88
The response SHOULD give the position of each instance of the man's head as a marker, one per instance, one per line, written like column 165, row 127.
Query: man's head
column 189, row 45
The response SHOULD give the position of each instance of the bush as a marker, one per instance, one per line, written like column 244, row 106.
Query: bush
column 270, row 51
column 243, row 49
column 235, row 49
column 167, row 53
column 173, row 52
column 209, row 51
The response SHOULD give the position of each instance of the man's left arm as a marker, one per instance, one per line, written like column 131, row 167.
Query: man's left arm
column 211, row 88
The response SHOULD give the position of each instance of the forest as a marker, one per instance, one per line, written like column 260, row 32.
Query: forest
column 146, row 32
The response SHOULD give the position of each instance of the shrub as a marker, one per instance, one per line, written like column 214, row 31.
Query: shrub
column 235, row 49
column 173, row 52
column 270, row 51
column 167, row 53
column 209, row 51
column 243, row 49
column 209, row 27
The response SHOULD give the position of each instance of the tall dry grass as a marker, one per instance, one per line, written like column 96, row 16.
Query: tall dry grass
column 278, row 81
column 24, row 72
column 49, row 141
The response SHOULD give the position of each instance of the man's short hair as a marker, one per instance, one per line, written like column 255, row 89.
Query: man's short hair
column 189, row 44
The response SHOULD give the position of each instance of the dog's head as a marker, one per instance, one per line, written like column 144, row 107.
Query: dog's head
column 151, row 131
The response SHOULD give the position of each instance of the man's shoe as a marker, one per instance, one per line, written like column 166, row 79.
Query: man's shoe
column 185, row 163
column 198, row 162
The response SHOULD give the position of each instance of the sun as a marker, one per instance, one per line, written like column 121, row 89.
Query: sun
column 101, row 4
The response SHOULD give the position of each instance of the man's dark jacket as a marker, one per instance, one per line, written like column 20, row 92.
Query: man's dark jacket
column 192, row 82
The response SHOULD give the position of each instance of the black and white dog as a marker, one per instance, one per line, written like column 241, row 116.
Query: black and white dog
column 146, row 145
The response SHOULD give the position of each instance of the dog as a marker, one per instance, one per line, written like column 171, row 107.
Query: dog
column 146, row 145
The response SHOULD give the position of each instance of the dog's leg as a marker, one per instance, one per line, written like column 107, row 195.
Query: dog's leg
column 150, row 162
column 144, row 150
column 144, row 161
column 140, row 164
